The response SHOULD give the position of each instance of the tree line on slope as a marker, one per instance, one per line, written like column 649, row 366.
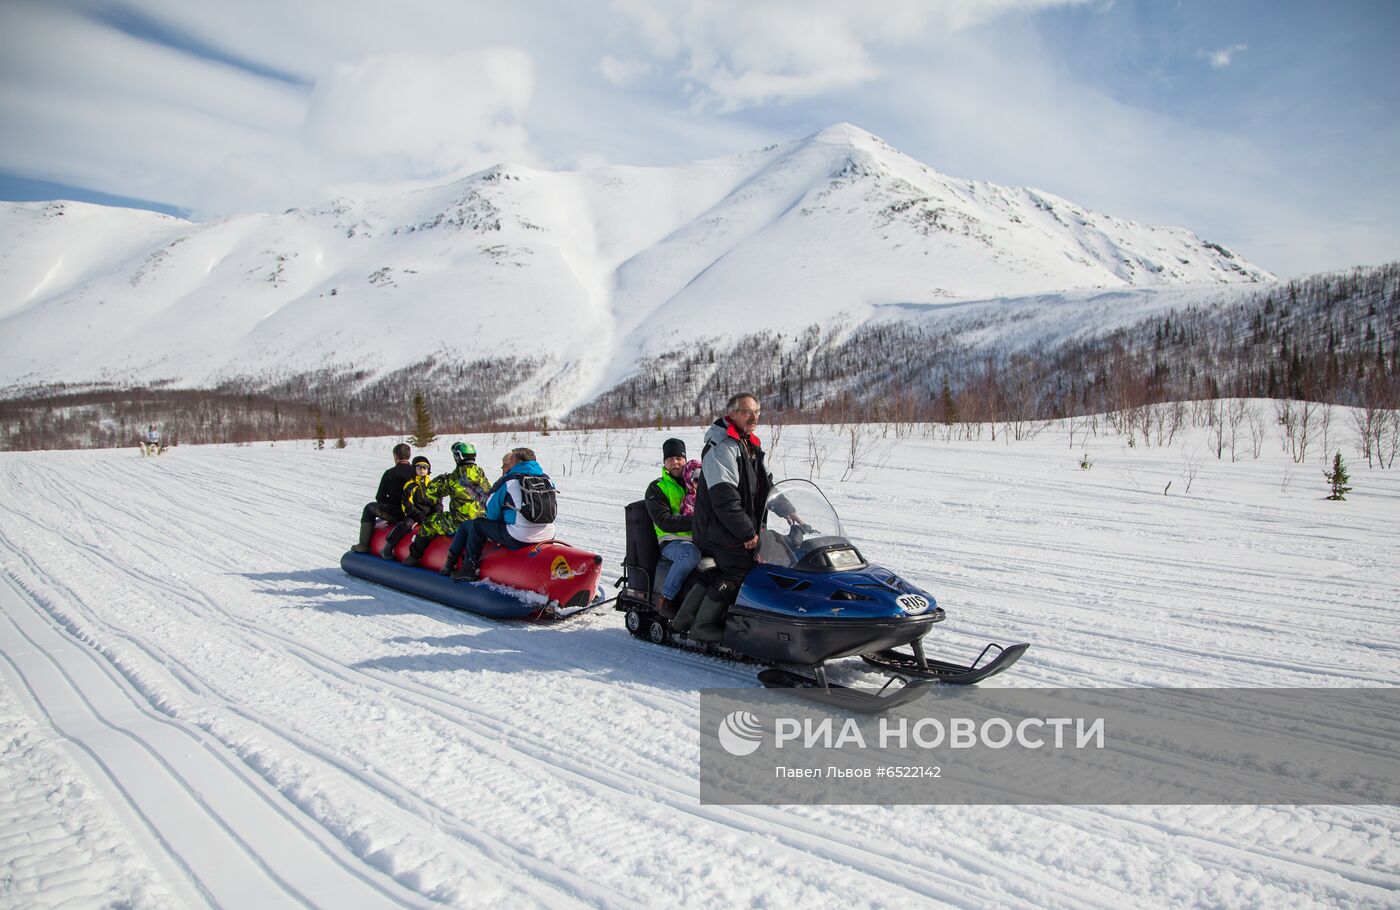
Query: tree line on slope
column 1332, row 339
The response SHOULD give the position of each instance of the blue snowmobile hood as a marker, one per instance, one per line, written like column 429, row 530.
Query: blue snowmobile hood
column 871, row 592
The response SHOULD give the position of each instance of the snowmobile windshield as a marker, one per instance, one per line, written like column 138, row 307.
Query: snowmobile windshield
column 801, row 529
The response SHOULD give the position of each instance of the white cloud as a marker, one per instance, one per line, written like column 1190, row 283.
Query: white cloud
column 743, row 53
column 622, row 73
column 91, row 106
column 423, row 90
column 1225, row 56
column 404, row 116
column 1110, row 156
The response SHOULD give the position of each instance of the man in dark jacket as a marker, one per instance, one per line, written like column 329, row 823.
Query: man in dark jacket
column 730, row 499
column 388, row 498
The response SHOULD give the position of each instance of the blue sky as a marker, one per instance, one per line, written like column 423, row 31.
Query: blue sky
column 1271, row 127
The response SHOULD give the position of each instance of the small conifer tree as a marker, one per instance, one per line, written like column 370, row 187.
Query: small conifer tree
column 423, row 432
column 950, row 404
column 340, row 442
column 320, row 431
column 1338, row 478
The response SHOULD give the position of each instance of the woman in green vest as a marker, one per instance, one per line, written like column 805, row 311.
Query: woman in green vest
column 665, row 501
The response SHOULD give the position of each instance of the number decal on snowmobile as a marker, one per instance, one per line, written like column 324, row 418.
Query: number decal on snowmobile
column 913, row 604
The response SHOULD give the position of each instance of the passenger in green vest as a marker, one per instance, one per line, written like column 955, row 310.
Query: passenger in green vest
column 666, row 504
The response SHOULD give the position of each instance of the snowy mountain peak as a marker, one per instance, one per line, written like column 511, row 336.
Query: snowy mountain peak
column 578, row 274
column 849, row 134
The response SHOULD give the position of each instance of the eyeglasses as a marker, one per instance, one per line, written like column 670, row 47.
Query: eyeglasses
column 422, row 467
column 754, row 411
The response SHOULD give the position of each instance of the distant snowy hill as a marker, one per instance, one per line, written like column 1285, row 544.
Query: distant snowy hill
column 580, row 275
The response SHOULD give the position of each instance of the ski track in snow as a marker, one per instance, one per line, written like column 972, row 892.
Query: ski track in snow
column 200, row 708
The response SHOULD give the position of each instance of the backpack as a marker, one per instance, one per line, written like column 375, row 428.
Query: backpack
column 539, row 501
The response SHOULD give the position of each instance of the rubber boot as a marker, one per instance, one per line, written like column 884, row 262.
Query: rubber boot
column 709, row 619
column 366, row 532
column 685, row 616
column 395, row 536
column 415, row 552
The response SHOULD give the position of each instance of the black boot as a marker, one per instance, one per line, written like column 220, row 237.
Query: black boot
column 415, row 552
column 709, row 619
column 685, row 616
column 468, row 571
column 366, row 532
column 395, row 536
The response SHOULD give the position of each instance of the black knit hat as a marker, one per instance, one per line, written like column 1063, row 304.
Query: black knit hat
column 673, row 448
column 420, row 459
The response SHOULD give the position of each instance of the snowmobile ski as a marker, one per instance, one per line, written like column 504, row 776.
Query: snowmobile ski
column 917, row 665
column 862, row 700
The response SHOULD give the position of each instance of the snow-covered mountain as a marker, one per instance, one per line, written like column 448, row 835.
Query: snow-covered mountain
column 581, row 274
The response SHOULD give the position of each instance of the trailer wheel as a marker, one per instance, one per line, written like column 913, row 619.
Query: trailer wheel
column 658, row 632
column 633, row 621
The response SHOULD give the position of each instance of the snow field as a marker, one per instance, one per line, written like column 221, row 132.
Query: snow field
column 199, row 707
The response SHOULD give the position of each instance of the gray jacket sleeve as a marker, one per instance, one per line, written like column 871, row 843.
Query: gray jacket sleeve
column 720, row 469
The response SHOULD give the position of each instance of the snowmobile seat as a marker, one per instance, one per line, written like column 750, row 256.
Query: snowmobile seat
column 644, row 568
column 642, row 553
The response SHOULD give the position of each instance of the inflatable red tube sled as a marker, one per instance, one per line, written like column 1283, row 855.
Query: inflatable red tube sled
column 547, row 579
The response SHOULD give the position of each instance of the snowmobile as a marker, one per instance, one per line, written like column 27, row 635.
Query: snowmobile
column 813, row 598
column 544, row 580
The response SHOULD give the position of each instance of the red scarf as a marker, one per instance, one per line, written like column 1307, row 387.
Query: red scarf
column 734, row 433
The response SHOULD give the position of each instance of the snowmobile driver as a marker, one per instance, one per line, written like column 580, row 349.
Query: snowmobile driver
column 666, row 504
column 464, row 487
column 388, row 499
column 730, row 498
column 150, row 443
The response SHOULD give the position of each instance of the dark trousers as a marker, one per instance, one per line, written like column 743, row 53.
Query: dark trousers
column 375, row 510
column 702, row 615
column 472, row 537
column 734, row 566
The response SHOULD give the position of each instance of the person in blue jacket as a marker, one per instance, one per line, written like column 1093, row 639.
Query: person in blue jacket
column 520, row 511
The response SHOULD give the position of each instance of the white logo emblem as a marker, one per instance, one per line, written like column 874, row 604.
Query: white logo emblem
column 740, row 733
column 913, row 604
